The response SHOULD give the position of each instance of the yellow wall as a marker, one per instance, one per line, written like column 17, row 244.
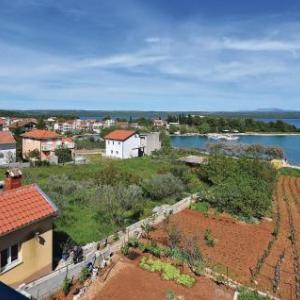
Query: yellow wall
column 36, row 261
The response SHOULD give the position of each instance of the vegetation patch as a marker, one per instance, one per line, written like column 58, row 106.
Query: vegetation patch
column 246, row 294
column 167, row 271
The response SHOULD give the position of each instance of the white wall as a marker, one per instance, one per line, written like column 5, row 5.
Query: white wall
column 5, row 156
column 125, row 149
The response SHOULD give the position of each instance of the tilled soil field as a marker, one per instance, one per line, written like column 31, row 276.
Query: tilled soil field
column 237, row 245
column 280, row 273
column 128, row 281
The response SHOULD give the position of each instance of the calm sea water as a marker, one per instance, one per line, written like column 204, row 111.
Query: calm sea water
column 289, row 144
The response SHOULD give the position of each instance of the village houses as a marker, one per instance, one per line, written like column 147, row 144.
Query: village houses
column 26, row 237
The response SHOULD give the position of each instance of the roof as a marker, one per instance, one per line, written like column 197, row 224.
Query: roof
column 119, row 135
column 22, row 123
column 6, row 138
column 9, row 293
column 2, row 122
column 41, row 134
column 22, row 206
column 67, row 140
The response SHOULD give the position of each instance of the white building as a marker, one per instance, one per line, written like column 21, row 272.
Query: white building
column 122, row 144
column 7, row 148
column 150, row 142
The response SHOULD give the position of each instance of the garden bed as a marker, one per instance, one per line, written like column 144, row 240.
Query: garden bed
column 128, row 282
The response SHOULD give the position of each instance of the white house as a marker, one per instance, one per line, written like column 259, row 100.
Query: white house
column 7, row 148
column 122, row 144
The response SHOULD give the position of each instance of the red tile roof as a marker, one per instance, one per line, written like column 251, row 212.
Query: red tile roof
column 6, row 138
column 119, row 135
column 23, row 206
column 41, row 134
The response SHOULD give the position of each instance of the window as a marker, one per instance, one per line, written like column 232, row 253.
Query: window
column 9, row 256
column 113, row 142
column 111, row 151
column 119, row 143
column 117, row 152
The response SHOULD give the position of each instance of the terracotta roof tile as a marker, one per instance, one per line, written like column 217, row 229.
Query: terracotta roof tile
column 119, row 135
column 6, row 138
column 22, row 206
column 41, row 134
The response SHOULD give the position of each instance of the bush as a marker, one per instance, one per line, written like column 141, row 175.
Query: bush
column 125, row 249
column 167, row 271
column 163, row 186
column 66, row 285
column 83, row 275
column 210, row 242
column 242, row 186
column 201, row 207
column 246, row 294
column 133, row 242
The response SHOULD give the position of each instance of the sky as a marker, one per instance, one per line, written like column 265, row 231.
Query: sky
column 150, row 54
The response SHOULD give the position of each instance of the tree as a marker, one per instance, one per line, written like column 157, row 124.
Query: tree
column 41, row 124
column 64, row 155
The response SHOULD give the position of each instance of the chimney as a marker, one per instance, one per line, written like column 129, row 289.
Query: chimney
column 13, row 179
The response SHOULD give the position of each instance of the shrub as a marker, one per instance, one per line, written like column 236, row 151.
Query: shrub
column 83, row 275
column 162, row 186
column 200, row 206
column 209, row 238
column 125, row 249
column 66, row 285
column 174, row 236
column 133, row 242
column 246, row 294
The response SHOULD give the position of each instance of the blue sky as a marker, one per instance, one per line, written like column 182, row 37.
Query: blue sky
column 149, row 54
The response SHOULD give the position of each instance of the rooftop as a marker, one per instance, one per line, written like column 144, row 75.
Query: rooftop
column 41, row 134
column 6, row 138
column 119, row 135
column 22, row 206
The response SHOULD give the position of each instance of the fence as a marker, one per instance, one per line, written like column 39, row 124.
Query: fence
column 48, row 284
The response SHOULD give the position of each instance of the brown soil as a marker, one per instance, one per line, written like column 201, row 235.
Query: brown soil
column 127, row 281
column 237, row 245
column 286, row 189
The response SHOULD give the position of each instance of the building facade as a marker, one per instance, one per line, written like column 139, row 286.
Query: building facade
column 122, row 144
column 26, row 236
column 44, row 141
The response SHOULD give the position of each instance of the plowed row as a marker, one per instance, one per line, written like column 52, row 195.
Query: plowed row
column 287, row 197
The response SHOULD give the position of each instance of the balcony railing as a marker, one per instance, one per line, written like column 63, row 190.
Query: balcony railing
column 47, row 147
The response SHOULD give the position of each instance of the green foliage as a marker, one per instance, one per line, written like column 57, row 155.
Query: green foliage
column 200, row 206
column 246, row 294
column 174, row 236
column 64, row 155
column 167, row 271
column 90, row 144
column 243, row 187
column 34, row 154
column 219, row 123
column 41, row 124
column 133, row 242
column 83, row 275
column 66, row 285
column 125, row 249
column 162, row 186
column 209, row 238
column 290, row 172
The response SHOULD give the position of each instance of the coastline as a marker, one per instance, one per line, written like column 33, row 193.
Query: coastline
column 243, row 134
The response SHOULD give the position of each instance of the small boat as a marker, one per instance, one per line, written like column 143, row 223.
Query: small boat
column 225, row 137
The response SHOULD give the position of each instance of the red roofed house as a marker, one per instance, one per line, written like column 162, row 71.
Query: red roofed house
column 26, row 239
column 45, row 141
column 7, row 148
column 122, row 144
